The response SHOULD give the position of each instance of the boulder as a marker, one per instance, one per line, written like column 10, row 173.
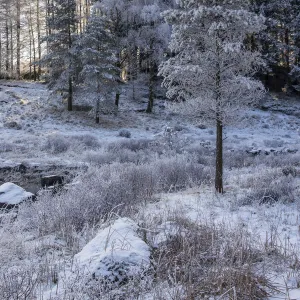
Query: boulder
column 115, row 255
column 51, row 180
column 12, row 125
column 12, row 195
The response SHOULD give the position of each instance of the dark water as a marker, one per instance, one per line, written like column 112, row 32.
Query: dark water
column 30, row 179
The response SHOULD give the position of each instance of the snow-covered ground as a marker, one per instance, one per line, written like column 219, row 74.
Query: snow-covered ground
column 264, row 153
column 28, row 115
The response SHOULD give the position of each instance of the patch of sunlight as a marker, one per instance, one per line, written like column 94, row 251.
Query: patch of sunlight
column 24, row 102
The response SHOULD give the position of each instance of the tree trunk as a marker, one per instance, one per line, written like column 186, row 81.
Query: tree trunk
column 11, row 50
column 18, row 69
column 38, row 28
column 87, row 12
column 32, row 44
column 219, row 158
column 1, row 56
column 219, row 138
column 117, row 100
column 7, row 45
column 70, row 94
column 30, row 52
column 287, row 52
column 151, row 82
column 151, row 92
column 98, row 111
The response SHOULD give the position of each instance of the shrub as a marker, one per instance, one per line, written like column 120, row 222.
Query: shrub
column 179, row 128
column 289, row 170
column 115, row 187
column 87, row 140
column 271, row 191
column 282, row 160
column 102, row 157
column 132, row 145
column 6, row 147
column 18, row 283
column 273, row 143
column 99, row 158
column 200, row 154
column 12, row 125
column 125, row 133
column 56, row 144
column 238, row 159
column 118, row 187
column 179, row 172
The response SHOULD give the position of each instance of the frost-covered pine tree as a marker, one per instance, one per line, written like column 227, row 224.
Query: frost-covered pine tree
column 280, row 39
column 210, row 75
column 97, row 55
column 295, row 71
column 142, row 37
column 153, row 40
column 61, row 22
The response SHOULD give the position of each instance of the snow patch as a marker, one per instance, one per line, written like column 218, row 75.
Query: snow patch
column 116, row 253
column 12, row 194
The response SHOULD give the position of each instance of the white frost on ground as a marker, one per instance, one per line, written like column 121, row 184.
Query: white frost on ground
column 12, row 194
column 278, row 223
column 29, row 105
column 116, row 253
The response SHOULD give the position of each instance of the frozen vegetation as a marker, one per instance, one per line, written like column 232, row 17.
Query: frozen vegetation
column 139, row 217
column 155, row 155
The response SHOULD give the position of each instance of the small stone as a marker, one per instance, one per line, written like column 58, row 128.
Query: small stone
column 12, row 125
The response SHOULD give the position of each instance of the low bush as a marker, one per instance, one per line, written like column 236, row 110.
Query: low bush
column 238, row 159
column 273, row 143
column 56, row 144
column 98, row 158
column 125, row 133
column 289, row 170
column 270, row 191
column 18, row 283
column 278, row 160
column 132, row 145
column 113, row 187
column 200, row 154
column 179, row 173
column 87, row 140
column 6, row 147
column 118, row 187
column 102, row 157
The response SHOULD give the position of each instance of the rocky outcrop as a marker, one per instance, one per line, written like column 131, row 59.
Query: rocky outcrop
column 12, row 195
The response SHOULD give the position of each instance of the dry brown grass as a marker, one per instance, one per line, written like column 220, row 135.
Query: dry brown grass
column 211, row 261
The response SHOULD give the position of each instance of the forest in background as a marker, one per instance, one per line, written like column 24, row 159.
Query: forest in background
column 33, row 34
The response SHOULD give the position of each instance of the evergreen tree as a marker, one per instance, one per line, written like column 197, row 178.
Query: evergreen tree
column 142, row 38
column 98, row 57
column 154, row 37
column 211, row 72
column 280, row 39
column 61, row 23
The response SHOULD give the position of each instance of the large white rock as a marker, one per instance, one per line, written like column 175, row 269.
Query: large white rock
column 116, row 254
column 12, row 194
